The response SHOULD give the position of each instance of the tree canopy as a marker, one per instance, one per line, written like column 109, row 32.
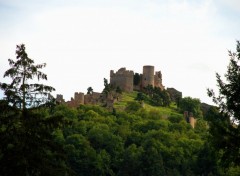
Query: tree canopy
column 224, row 121
column 192, row 105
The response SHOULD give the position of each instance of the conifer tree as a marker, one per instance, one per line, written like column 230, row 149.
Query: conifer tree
column 224, row 123
column 27, row 144
column 21, row 92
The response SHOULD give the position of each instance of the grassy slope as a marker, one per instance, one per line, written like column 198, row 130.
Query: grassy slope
column 128, row 97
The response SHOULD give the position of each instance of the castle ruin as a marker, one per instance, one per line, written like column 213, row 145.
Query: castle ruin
column 124, row 79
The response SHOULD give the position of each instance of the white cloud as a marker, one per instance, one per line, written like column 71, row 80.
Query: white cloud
column 233, row 4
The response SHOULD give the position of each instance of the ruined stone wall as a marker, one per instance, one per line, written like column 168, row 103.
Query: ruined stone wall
column 93, row 98
column 192, row 121
column 80, row 98
column 59, row 98
column 122, row 78
column 189, row 118
column 148, row 76
column 158, row 80
column 77, row 100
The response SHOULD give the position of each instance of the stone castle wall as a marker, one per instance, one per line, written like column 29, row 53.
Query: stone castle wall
column 80, row 98
column 158, row 80
column 122, row 78
column 189, row 118
column 77, row 100
column 93, row 98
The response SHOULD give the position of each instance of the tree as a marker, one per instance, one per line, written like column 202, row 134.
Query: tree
column 27, row 143
column 107, row 87
column 20, row 92
column 140, row 96
column 160, row 97
column 89, row 90
column 118, row 90
column 136, row 79
column 133, row 106
column 191, row 105
column 224, row 122
column 149, row 90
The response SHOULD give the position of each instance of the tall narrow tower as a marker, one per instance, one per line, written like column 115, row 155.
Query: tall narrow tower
column 148, row 76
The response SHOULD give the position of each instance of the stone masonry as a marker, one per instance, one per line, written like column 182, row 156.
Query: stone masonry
column 123, row 79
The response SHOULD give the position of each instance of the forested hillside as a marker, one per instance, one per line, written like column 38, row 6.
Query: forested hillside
column 144, row 133
column 136, row 141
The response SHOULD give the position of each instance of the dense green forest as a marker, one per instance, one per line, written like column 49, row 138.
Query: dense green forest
column 40, row 137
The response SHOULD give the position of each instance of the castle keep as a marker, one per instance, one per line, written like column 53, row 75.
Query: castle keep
column 149, row 78
column 123, row 79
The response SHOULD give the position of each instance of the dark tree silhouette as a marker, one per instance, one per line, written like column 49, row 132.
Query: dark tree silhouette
column 20, row 92
column 89, row 90
column 224, row 122
column 27, row 144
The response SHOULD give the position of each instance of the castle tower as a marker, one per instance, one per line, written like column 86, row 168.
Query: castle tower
column 59, row 98
column 148, row 76
column 79, row 98
column 192, row 121
column 122, row 78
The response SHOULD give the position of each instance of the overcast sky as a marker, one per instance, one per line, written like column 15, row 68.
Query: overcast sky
column 81, row 41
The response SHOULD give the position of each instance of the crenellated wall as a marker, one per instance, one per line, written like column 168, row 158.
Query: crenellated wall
column 77, row 100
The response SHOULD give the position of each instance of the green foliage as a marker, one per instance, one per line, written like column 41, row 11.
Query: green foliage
column 107, row 87
column 156, row 96
column 141, row 97
column 133, row 106
column 136, row 79
column 133, row 142
column 27, row 145
column 192, row 105
column 118, row 90
column 224, row 122
column 175, row 119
